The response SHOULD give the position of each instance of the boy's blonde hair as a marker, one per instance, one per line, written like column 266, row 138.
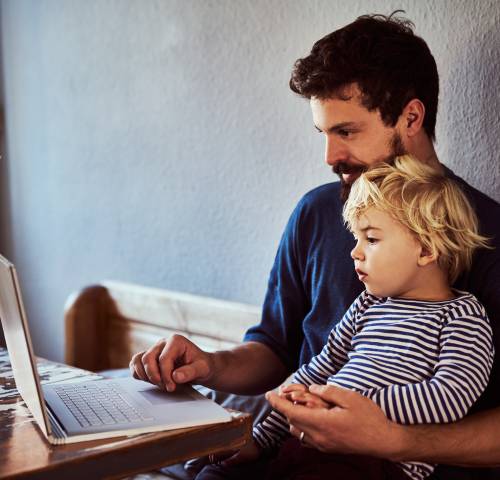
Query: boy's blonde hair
column 425, row 201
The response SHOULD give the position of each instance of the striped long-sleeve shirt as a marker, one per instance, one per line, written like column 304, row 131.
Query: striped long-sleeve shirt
column 420, row 361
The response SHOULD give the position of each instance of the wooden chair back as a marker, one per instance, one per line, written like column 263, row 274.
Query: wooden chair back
column 107, row 323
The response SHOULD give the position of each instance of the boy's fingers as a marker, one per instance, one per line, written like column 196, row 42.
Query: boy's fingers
column 286, row 407
column 337, row 396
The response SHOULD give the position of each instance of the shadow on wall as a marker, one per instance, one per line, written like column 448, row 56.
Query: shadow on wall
column 483, row 58
column 489, row 101
column 5, row 227
column 5, row 221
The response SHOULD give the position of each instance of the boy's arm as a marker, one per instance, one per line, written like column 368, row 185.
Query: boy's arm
column 460, row 376
column 335, row 352
column 274, row 428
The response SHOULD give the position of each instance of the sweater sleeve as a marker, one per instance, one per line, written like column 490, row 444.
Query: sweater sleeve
column 286, row 303
column 335, row 353
column 460, row 376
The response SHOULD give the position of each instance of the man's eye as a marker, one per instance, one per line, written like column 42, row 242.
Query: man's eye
column 344, row 133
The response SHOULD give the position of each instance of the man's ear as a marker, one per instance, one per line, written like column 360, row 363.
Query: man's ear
column 412, row 118
column 426, row 257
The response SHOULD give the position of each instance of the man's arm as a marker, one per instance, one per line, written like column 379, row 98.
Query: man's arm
column 357, row 425
column 247, row 369
column 271, row 349
column 472, row 442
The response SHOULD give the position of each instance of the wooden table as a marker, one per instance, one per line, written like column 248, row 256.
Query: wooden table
column 24, row 452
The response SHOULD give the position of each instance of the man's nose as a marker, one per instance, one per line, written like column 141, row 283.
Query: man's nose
column 334, row 152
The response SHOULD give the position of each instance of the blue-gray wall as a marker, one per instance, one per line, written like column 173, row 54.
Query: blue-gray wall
column 157, row 141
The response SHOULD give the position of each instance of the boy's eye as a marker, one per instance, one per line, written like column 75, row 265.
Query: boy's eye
column 371, row 240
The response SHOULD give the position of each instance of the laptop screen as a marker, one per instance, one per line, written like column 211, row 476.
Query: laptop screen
column 17, row 337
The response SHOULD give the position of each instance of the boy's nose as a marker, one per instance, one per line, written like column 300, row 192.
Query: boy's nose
column 356, row 253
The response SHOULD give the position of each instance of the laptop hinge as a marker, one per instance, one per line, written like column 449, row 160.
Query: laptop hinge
column 58, row 435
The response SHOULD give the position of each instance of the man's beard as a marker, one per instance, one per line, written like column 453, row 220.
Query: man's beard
column 396, row 148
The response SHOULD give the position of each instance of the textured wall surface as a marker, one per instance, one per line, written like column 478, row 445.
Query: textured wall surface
column 157, row 141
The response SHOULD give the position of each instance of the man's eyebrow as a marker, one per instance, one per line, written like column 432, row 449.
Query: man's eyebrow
column 339, row 126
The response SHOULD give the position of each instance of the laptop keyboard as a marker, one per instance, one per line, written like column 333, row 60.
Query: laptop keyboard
column 94, row 405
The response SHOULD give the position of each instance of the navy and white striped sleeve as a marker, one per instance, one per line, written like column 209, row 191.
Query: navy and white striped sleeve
column 335, row 353
column 460, row 375
column 274, row 428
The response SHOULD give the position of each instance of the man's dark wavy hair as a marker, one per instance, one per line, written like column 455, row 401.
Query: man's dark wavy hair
column 382, row 55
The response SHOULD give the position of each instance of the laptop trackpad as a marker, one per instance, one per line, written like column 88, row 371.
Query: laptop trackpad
column 157, row 397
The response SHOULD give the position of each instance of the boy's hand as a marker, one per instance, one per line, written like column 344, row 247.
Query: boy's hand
column 300, row 395
column 250, row 452
column 285, row 390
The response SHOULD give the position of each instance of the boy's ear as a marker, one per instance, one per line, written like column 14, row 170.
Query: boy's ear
column 426, row 257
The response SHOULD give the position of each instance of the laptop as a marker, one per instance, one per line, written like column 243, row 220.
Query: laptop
column 89, row 410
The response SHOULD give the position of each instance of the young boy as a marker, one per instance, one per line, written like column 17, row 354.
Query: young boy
column 419, row 349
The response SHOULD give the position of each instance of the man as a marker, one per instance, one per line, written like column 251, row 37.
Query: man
column 373, row 90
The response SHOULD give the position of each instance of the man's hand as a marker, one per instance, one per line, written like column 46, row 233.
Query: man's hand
column 352, row 424
column 172, row 361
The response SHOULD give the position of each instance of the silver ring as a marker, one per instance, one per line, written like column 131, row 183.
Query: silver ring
column 301, row 437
